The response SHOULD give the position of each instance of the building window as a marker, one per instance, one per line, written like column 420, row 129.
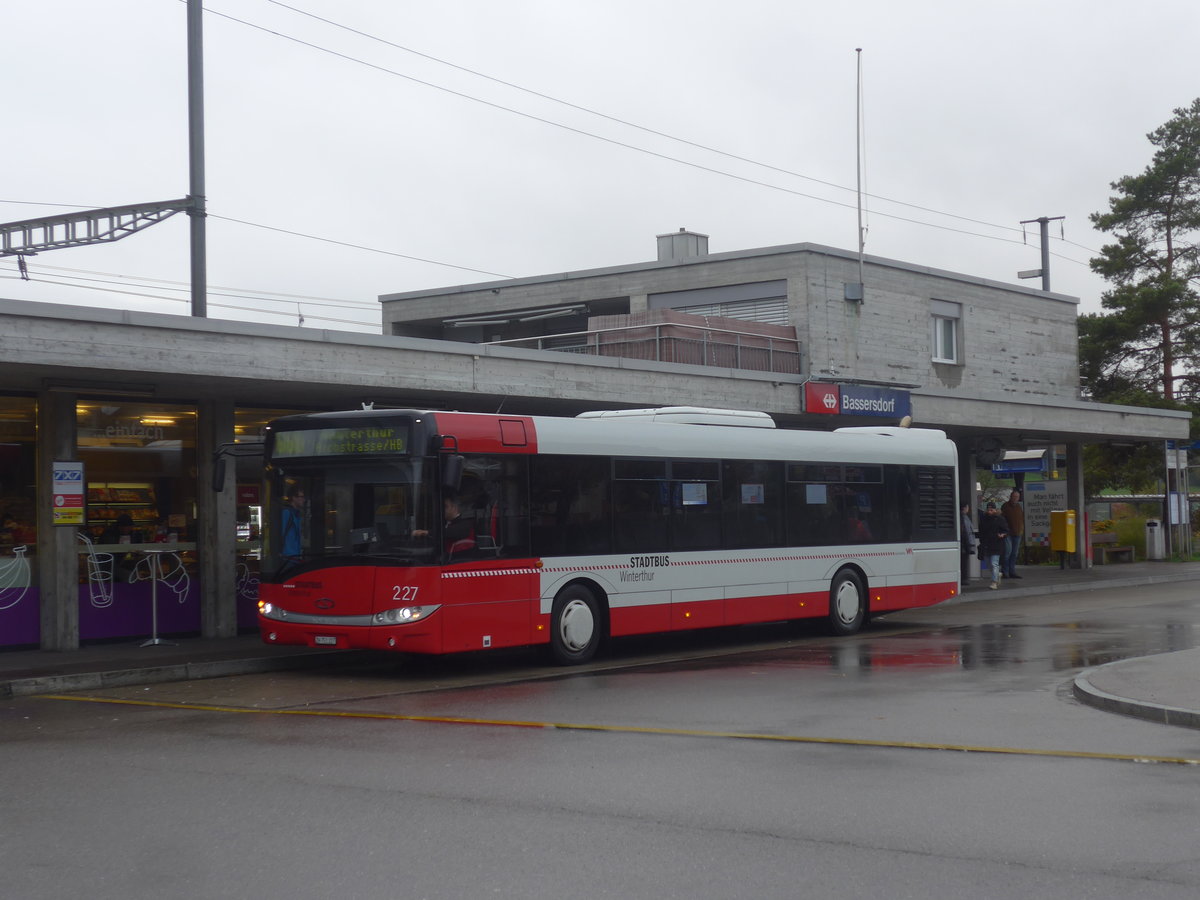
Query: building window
column 946, row 317
column 764, row 302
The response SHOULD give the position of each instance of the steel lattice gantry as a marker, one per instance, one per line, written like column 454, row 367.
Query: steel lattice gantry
column 93, row 226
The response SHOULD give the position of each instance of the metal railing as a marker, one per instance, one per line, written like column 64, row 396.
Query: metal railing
column 662, row 342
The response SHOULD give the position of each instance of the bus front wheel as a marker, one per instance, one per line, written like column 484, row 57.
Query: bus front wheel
column 576, row 626
column 847, row 602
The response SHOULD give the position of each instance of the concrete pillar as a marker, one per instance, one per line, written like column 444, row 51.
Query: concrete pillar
column 638, row 303
column 966, row 490
column 1077, row 500
column 217, row 522
column 58, row 545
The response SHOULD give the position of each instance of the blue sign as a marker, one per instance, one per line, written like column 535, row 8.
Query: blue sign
column 873, row 401
column 1011, row 466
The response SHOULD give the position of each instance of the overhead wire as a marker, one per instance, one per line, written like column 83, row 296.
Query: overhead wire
column 314, row 237
column 79, row 281
column 359, row 246
column 166, row 299
column 246, row 293
column 616, row 119
column 552, row 123
column 585, row 133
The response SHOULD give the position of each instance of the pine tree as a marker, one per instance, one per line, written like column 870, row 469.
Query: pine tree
column 1149, row 340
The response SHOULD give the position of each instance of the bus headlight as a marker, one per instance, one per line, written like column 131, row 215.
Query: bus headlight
column 402, row 615
column 265, row 608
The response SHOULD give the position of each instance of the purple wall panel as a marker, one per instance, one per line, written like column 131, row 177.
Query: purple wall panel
column 19, row 616
column 128, row 611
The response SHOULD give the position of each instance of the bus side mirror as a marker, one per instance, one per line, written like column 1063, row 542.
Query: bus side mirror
column 224, row 451
column 452, row 471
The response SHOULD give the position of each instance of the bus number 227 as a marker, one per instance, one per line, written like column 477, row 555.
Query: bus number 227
column 405, row 595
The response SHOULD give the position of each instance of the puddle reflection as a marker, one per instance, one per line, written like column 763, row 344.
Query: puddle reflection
column 886, row 648
column 1060, row 647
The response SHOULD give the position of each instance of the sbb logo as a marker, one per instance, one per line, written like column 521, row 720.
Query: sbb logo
column 822, row 398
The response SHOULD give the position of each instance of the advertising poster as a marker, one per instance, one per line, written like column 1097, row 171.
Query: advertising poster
column 1040, row 498
column 69, row 485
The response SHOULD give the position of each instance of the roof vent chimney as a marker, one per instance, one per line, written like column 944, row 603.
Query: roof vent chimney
column 681, row 244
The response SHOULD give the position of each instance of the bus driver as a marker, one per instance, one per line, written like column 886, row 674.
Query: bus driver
column 458, row 533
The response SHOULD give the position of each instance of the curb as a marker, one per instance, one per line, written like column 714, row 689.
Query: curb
column 1087, row 693
column 188, row 671
column 1008, row 590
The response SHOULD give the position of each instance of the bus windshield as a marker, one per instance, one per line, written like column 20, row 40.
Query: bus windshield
column 352, row 510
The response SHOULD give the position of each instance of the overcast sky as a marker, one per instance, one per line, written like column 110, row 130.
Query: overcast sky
column 366, row 129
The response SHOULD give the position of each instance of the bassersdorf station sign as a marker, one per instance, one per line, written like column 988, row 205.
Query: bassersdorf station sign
column 856, row 400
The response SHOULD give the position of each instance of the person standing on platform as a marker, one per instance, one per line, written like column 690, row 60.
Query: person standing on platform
column 991, row 541
column 968, row 543
column 1014, row 518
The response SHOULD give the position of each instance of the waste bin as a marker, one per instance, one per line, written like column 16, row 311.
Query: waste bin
column 1156, row 540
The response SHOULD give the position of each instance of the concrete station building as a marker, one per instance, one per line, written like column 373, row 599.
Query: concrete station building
column 143, row 400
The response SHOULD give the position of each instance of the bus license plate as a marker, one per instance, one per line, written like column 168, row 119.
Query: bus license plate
column 326, row 639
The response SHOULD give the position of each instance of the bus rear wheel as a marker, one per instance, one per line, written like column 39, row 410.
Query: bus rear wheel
column 847, row 602
column 576, row 626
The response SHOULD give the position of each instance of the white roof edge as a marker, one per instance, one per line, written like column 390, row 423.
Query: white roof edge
column 687, row 415
column 894, row 431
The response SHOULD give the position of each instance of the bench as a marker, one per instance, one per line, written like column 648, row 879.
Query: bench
column 1103, row 551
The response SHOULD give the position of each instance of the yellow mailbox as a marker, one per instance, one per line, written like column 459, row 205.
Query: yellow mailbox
column 1062, row 530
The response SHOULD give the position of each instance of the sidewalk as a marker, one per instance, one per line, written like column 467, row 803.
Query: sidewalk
column 1163, row 688
column 1037, row 580
column 26, row 672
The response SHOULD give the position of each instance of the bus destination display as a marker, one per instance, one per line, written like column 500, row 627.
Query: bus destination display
column 357, row 441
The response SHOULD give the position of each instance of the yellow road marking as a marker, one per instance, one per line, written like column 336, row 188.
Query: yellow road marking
column 636, row 729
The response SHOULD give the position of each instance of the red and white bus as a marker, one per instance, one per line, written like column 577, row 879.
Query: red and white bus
column 440, row 532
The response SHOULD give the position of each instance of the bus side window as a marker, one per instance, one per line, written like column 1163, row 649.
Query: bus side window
column 570, row 505
column 752, row 507
column 863, row 504
column 493, row 495
column 641, row 516
column 814, row 505
column 695, row 504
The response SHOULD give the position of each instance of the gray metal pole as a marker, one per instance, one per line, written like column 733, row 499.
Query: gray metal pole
column 1044, row 229
column 1045, row 223
column 858, row 163
column 1166, row 522
column 198, row 212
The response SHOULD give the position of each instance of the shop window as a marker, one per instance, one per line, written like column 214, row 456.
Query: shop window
column 18, row 522
column 140, row 464
column 139, row 461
